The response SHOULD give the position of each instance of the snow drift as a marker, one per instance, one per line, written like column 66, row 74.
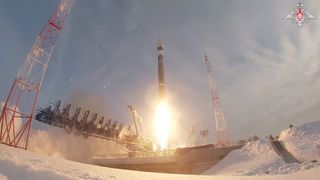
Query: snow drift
column 303, row 141
column 259, row 158
column 255, row 158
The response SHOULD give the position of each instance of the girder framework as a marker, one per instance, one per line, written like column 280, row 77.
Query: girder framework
column 18, row 110
column 221, row 126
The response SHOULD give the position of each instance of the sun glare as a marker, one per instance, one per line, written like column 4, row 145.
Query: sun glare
column 162, row 124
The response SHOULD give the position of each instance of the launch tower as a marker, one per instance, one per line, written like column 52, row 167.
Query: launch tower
column 18, row 110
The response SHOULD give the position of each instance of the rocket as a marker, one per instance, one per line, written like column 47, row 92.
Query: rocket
column 161, row 86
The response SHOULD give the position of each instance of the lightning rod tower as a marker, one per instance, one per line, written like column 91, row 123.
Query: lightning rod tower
column 221, row 127
column 18, row 109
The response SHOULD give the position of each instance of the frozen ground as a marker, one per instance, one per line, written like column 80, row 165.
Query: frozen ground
column 20, row 164
column 259, row 158
column 303, row 141
column 255, row 161
column 256, row 158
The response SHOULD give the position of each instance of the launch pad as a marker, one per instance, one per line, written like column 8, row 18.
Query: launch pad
column 188, row 160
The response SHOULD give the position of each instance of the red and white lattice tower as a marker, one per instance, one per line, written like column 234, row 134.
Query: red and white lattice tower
column 17, row 113
column 221, row 127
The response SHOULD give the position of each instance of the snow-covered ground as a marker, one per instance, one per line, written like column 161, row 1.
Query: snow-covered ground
column 256, row 158
column 20, row 164
column 303, row 141
column 255, row 161
column 259, row 158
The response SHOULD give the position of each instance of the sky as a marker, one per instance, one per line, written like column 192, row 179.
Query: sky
column 266, row 69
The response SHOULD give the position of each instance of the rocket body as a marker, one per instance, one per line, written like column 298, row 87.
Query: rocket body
column 161, row 85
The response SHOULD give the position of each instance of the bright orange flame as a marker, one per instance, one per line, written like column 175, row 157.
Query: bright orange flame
column 162, row 124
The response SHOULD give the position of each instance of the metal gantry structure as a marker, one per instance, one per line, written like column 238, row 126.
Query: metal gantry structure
column 19, row 107
column 221, row 127
column 191, row 139
column 137, row 120
column 87, row 124
column 204, row 134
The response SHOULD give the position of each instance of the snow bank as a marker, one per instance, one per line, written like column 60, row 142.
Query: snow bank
column 259, row 158
column 20, row 164
column 256, row 158
column 303, row 142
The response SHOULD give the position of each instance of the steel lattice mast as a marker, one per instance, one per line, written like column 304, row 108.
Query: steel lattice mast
column 17, row 113
column 221, row 127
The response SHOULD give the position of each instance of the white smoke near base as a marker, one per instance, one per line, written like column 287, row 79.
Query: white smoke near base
column 57, row 143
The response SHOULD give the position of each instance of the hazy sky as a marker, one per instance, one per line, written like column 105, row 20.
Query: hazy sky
column 266, row 68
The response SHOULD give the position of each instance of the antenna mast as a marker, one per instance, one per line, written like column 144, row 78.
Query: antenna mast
column 221, row 127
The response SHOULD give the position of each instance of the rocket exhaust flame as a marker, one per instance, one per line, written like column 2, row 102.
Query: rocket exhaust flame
column 163, row 115
column 162, row 124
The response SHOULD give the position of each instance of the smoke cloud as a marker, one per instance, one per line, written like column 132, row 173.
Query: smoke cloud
column 57, row 142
